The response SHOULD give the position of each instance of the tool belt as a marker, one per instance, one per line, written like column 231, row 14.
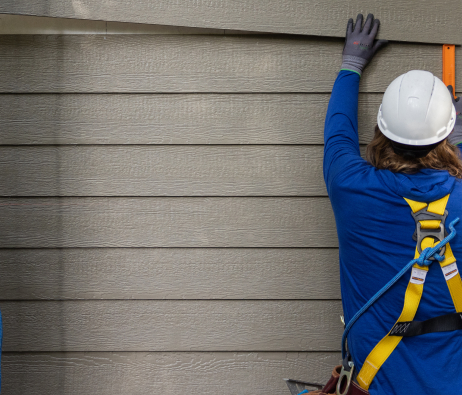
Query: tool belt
column 331, row 387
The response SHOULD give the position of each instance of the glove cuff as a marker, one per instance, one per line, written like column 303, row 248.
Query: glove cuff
column 353, row 63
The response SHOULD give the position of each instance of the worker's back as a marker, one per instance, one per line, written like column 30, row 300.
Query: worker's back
column 375, row 229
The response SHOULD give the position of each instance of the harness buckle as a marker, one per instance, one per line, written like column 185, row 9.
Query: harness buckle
column 437, row 233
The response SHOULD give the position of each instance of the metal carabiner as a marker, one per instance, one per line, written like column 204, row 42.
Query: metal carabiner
column 438, row 233
column 348, row 374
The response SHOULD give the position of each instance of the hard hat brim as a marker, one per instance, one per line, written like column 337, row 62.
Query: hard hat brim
column 439, row 136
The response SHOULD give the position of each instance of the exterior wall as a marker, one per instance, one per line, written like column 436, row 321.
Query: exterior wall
column 418, row 21
column 165, row 223
column 24, row 24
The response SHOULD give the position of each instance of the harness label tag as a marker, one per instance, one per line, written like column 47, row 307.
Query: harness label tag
column 450, row 271
column 418, row 276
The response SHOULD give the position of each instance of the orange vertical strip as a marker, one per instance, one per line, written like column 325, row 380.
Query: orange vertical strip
column 449, row 66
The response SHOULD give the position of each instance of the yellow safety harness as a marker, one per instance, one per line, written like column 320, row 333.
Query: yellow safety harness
column 430, row 230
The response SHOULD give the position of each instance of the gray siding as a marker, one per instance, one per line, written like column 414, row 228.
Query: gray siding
column 172, row 325
column 189, row 170
column 422, row 21
column 169, row 273
column 194, row 63
column 141, row 373
column 167, row 222
column 167, row 234
column 260, row 118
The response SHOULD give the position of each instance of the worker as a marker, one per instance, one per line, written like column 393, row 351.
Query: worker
column 410, row 178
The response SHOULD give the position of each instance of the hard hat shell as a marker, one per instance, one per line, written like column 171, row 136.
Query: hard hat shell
column 417, row 109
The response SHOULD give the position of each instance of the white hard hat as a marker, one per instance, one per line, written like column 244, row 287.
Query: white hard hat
column 417, row 109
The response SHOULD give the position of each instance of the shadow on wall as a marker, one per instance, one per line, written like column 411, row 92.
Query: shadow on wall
column 32, row 270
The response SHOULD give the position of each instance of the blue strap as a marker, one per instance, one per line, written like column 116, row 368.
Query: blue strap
column 423, row 260
column 303, row 392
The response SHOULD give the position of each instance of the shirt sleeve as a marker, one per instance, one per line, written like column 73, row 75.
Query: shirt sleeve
column 341, row 143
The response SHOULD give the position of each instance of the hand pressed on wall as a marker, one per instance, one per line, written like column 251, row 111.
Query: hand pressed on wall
column 360, row 47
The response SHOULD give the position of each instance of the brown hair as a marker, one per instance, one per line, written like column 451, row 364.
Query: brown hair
column 444, row 156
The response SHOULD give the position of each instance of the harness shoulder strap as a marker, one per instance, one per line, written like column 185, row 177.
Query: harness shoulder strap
column 429, row 232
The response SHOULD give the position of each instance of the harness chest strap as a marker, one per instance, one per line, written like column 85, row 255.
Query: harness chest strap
column 385, row 347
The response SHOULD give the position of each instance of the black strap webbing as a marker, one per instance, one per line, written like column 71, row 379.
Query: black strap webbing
column 443, row 323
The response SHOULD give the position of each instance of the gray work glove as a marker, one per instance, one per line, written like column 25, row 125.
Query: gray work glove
column 359, row 46
column 456, row 136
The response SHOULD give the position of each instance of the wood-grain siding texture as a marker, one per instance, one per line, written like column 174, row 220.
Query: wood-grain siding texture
column 422, row 21
column 172, row 325
column 195, row 63
column 167, row 222
column 259, row 118
column 169, row 273
column 162, row 171
column 203, row 373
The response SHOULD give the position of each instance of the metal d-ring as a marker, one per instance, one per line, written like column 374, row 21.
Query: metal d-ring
column 348, row 374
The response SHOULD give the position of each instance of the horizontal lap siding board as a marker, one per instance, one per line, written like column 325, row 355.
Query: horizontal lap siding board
column 162, row 171
column 169, row 273
column 172, row 325
column 172, row 119
column 206, row 373
column 24, row 24
column 200, row 63
column 167, row 222
column 423, row 21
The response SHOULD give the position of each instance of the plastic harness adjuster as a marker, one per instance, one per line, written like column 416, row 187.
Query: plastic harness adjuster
column 437, row 233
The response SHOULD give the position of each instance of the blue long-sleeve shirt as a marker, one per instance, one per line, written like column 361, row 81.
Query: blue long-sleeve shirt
column 375, row 228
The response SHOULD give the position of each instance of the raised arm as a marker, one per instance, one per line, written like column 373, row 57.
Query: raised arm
column 341, row 149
